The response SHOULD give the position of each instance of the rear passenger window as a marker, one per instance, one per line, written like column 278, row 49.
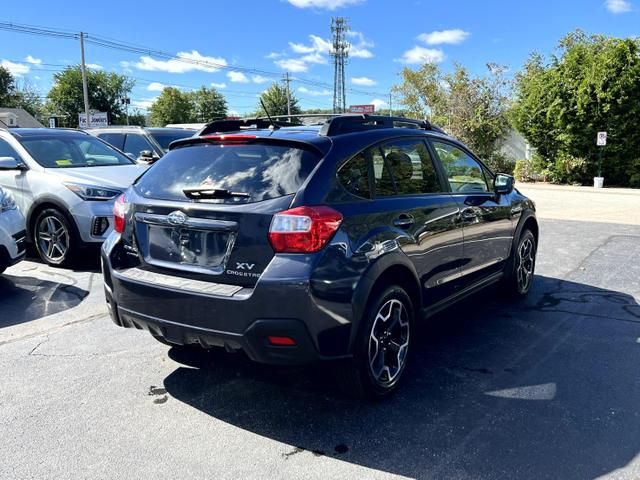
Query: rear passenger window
column 407, row 167
column 464, row 173
column 115, row 139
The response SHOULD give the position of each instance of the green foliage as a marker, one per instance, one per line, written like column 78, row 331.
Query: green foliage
column 171, row 106
column 593, row 84
column 105, row 91
column 473, row 109
column 499, row 163
column 175, row 106
column 275, row 99
column 7, row 87
column 16, row 95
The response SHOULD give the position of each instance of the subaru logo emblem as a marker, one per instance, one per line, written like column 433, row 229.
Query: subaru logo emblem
column 177, row 218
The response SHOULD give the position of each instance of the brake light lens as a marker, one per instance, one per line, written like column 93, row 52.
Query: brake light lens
column 120, row 208
column 230, row 138
column 303, row 229
column 281, row 341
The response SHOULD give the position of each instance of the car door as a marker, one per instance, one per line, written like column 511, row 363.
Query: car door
column 13, row 180
column 485, row 216
column 411, row 209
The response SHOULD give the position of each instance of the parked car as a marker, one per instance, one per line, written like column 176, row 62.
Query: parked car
column 142, row 144
column 305, row 243
column 12, row 229
column 65, row 183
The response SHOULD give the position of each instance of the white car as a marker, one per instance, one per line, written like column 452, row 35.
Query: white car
column 12, row 232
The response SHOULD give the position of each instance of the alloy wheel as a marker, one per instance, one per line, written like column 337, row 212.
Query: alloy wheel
column 53, row 239
column 389, row 342
column 526, row 261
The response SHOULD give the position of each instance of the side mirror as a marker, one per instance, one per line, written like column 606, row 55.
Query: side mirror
column 10, row 163
column 503, row 184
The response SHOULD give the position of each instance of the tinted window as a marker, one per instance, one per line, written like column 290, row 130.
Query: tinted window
column 135, row 144
column 411, row 167
column 165, row 137
column 115, row 139
column 463, row 172
column 7, row 150
column 67, row 151
column 354, row 176
column 262, row 171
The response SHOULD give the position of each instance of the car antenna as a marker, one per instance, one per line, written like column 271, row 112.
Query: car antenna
column 273, row 124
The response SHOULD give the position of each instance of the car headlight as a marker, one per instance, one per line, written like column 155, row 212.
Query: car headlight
column 91, row 192
column 6, row 201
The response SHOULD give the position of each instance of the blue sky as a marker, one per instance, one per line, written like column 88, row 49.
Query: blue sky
column 274, row 36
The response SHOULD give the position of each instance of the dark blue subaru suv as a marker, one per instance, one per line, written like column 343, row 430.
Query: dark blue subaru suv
column 299, row 243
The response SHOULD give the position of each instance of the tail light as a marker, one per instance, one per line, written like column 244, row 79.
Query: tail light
column 119, row 212
column 303, row 229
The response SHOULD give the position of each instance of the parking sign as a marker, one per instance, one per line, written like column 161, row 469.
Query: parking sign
column 602, row 139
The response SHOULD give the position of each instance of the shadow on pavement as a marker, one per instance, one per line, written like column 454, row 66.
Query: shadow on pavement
column 23, row 299
column 545, row 388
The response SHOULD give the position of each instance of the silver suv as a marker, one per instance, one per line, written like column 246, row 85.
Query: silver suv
column 65, row 183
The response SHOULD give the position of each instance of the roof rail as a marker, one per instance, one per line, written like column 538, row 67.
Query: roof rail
column 357, row 123
column 234, row 125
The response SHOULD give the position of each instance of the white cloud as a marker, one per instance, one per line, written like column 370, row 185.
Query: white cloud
column 315, row 93
column 363, row 81
column 274, row 55
column 618, row 6
column 219, row 86
column 323, row 4
column 187, row 62
column 33, row 60
column 292, row 65
column 422, row 55
column 379, row 103
column 155, row 87
column 144, row 103
column 449, row 37
column 237, row 77
column 94, row 66
column 301, row 48
column 259, row 79
column 16, row 69
column 361, row 48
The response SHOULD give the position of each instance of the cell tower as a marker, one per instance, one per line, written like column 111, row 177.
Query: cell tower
column 340, row 53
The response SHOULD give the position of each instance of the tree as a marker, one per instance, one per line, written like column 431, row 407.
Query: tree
column 591, row 85
column 207, row 105
column 7, row 87
column 275, row 99
column 172, row 106
column 473, row 109
column 105, row 91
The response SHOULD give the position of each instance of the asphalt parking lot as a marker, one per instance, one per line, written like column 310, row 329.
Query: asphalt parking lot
column 545, row 388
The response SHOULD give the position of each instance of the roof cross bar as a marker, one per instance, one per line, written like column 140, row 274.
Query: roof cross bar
column 235, row 125
column 359, row 123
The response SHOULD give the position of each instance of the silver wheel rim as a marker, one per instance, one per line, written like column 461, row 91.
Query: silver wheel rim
column 53, row 238
column 389, row 342
column 526, row 261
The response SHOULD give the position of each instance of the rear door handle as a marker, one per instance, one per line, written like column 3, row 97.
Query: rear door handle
column 404, row 220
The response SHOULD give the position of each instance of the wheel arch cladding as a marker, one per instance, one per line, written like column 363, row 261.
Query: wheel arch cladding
column 531, row 223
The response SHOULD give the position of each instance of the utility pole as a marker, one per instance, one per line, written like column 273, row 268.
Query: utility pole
column 340, row 53
column 85, row 87
column 390, row 105
column 287, row 80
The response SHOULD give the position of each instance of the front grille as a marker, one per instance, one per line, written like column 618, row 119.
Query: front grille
column 21, row 240
column 99, row 226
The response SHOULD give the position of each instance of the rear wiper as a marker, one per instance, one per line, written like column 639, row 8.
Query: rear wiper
column 212, row 193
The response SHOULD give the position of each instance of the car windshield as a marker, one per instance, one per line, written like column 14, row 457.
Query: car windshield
column 165, row 137
column 72, row 151
column 245, row 173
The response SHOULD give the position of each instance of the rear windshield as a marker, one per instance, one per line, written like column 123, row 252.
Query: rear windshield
column 255, row 172
column 165, row 137
column 72, row 151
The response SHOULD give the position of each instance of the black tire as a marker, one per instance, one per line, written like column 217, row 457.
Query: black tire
column 370, row 374
column 53, row 228
column 520, row 269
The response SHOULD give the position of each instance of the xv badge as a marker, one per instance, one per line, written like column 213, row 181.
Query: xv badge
column 245, row 266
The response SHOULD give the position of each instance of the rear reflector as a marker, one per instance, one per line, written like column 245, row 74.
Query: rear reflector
column 303, row 229
column 281, row 341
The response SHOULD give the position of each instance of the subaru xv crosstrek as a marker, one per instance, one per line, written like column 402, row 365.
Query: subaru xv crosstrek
column 296, row 244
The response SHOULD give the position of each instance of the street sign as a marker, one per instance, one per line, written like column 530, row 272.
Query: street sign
column 96, row 119
column 52, row 122
column 602, row 139
column 362, row 108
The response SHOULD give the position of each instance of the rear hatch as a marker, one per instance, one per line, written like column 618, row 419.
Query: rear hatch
column 203, row 211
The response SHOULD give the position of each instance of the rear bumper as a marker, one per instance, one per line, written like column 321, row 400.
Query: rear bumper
column 241, row 320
